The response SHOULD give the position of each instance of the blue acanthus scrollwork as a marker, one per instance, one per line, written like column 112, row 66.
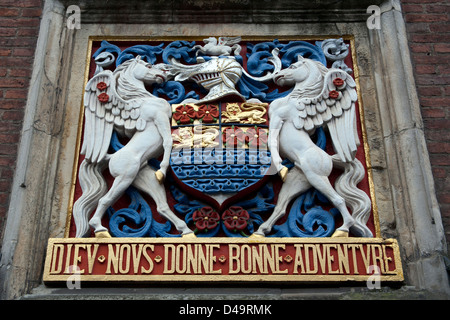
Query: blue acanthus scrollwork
column 180, row 50
column 174, row 91
column 257, row 64
column 293, row 49
column 140, row 216
column 186, row 207
column 260, row 204
column 315, row 222
column 105, row 46
column 147, row 52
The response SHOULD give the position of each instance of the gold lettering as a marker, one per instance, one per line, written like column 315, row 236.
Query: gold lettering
column 113, row 258
column 322, row 257
column 202, row 260
column 91, row 256
column 278, row 258
column 378, row 257
column 167, row 268
column 366, row 257
column 386, row 258
column 246, row 259
column 268, row 259
column 147, row 257
column 192, row 258
column 122, row 257
column 57, row 266
column 233, row 257
column 343, row 259
column 180, row 253
column 257, row 259
column 69, row 252
column 136, row 256
column 330, row 258
column 77, row 257
column 212, row 258
column 355, row 263
column 308, row 258
column 298, row 259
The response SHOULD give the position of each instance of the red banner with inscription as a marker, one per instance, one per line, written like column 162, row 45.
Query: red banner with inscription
column 275, row 259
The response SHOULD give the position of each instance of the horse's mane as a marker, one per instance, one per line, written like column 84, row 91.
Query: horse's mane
column 314, row 85
column 128, row 87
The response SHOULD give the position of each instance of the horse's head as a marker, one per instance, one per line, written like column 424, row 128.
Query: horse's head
column 210, row 41
column 298, row 72
column 148, row 73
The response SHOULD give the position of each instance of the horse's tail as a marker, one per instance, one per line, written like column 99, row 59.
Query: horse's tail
column 358, row 201
column 93, row 186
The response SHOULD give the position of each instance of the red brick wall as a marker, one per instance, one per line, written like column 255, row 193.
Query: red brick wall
column 428, row 28
column 19, row 28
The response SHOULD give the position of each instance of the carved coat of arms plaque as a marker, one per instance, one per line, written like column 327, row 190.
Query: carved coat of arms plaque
column 222, row 159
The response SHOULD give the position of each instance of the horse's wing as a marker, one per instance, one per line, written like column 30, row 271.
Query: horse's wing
column 229, row 41
column 98, row 125
column 335, row 107
column 104, row 111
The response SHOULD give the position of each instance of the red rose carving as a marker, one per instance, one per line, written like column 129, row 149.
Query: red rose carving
column 338, row 82
column 206, row 218
column 103, row 97
column 256, row 137
column 184, row 114
column 208, row 113
column 234, row 137
column 102, row 86
column 235, row 218
column 333, row 94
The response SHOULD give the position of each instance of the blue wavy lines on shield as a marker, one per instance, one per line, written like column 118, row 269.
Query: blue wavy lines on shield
column 232, row 170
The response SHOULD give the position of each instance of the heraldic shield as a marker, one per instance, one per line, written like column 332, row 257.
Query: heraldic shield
column 220, row 149
column 230, row 138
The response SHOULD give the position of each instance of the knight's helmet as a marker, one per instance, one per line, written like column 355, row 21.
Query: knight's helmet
column 219, row 76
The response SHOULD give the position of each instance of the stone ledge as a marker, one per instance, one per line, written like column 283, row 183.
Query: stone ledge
column 232, row 293
column 221, row 11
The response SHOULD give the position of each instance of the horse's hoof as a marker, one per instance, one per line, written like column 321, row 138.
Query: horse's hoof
column 159, row 176
column 340, row 234
column 283, row 173
column 189, row 235
column 102, row 234
column 256, row 236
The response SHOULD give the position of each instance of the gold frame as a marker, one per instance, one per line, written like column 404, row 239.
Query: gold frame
column 350, row 38
column 393, row 276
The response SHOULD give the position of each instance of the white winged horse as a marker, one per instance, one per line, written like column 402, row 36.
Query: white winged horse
column 321, row 97
column 118, row 100
column 226, row 46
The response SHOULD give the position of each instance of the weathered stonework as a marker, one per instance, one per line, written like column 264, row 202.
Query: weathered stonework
column 402, row 177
